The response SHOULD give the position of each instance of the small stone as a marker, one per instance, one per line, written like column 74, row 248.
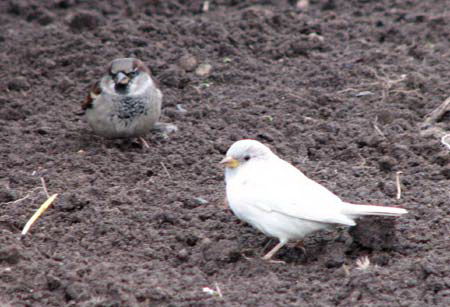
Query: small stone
column 200, row 201
column 188, row 62
column 18, row 84
column 74, row 291
column 203, row 70
column 183, row 254
column 180, row 108
column 364, row 93
column 48, row 63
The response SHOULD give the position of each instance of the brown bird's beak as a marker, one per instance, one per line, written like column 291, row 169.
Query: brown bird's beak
column 121, row 78
column 229, row 162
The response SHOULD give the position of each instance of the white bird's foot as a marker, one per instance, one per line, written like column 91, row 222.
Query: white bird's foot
column 273, row 251
column 301, row 245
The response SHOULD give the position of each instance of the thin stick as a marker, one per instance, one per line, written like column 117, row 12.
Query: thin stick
column 218, row 289
column 44, row 186
column 38, row 213
column 346, row 270
column 431, row 127
column 377, row 129
column 399, row 188
column 144, row 142
column 165, row 169
column 437, row 113
column 23, row 198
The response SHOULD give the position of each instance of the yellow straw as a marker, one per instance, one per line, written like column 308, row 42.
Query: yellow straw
column 38, row 213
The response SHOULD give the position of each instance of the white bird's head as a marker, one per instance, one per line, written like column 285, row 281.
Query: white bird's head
column 244, row 151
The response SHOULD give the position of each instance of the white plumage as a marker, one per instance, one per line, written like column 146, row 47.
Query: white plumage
column 279, row 200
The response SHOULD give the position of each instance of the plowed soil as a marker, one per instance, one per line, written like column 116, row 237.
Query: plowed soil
column 338, row 88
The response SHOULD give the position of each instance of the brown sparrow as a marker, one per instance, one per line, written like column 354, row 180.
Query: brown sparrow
column 279, row 200
column 125, row 103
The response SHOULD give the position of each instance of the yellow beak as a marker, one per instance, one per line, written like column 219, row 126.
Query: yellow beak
column 229, row 162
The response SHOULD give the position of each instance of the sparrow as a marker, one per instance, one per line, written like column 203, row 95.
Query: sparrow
column 279, row 200
column 125, row 102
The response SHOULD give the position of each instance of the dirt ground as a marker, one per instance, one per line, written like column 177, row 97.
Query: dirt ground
column 338, row 88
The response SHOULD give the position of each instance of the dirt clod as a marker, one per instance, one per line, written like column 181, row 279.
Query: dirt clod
column 18, row 84
column 10, row 254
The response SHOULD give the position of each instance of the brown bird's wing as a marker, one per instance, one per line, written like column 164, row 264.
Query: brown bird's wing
column 94, row 91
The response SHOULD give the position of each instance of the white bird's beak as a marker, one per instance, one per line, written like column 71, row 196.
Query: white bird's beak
column 229, row 162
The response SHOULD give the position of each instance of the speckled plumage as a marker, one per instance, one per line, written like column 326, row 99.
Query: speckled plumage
column 126, row 102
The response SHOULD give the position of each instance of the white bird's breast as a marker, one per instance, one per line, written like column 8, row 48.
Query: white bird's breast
column 245, row 192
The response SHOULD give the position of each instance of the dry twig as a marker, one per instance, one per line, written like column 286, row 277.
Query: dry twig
column 22, row 198
column 165, row 170
column 430, row 126
column 219, row 292
column 397, row 181
column 44, row 186
column 38, row 213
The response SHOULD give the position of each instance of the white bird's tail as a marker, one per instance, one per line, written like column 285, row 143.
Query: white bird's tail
column 358, row 210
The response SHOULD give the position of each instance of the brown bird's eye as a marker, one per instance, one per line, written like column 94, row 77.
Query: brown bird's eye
column 246, row 158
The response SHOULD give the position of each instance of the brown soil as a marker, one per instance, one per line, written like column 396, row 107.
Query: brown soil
column 339, row 89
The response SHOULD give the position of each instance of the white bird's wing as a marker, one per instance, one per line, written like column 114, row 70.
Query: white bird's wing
column 278, row 186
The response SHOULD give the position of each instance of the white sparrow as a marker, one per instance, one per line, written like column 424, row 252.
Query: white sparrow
column 125, row 103
column 279, row 200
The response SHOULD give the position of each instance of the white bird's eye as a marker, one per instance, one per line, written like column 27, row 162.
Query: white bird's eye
column 247, row 157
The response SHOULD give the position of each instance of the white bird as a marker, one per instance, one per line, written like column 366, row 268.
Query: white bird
column 279, row 200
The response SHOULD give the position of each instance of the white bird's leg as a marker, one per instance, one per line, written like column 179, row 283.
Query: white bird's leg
column 277, row 247
column 144, row 142
column 301, row 245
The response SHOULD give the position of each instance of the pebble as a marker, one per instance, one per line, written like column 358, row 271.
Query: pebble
column 200, row 201
column 188, row 62
column 203, row 70
column 180, row 108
